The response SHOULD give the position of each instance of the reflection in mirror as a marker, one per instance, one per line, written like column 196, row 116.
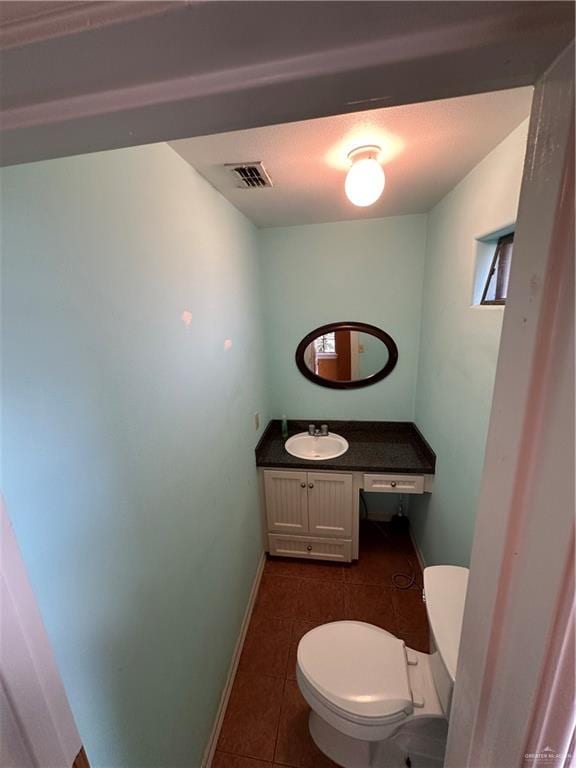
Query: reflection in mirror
column 347, row 355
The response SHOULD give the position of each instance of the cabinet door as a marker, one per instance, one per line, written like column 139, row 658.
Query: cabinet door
column 329, row 504
column 286, row 501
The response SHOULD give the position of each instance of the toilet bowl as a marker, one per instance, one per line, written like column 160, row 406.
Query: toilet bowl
column 374, row 701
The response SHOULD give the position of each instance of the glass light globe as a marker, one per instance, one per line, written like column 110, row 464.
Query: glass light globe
column 364, row 182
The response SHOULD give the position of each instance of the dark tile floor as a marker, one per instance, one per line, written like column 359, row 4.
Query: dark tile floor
column 266, row 722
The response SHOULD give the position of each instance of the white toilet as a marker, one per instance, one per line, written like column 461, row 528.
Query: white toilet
column 376, row 703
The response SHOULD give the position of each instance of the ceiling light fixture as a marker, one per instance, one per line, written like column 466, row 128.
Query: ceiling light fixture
column 365, row 180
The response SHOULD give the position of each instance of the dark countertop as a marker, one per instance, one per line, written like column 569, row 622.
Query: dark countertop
column 375, row 446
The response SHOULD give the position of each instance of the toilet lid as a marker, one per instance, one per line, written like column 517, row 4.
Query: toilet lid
column 358, row 667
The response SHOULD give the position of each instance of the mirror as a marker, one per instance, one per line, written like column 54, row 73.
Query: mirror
column 346, row 355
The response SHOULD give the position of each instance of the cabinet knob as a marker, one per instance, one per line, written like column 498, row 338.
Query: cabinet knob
column 393, row 483
column 310, row 485
column 309, row 548
column 302, row 485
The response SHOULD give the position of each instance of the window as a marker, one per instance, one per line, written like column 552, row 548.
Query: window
column 496, row 286
column 326, row 345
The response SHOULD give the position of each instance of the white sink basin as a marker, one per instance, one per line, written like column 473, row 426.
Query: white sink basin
column 305, row 446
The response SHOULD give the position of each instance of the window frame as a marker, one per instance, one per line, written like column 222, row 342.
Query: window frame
column 500, row 264
column 325, row 352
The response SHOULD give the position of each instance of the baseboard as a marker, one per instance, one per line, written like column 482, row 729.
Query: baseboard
column 213, row 740
column 417, row 549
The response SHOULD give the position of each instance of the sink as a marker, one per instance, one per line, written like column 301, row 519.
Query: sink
column 316, row 448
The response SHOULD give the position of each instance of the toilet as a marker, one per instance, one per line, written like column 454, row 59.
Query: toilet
column 374, row 702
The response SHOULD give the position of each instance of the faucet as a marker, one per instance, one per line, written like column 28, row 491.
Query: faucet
column 313, row 431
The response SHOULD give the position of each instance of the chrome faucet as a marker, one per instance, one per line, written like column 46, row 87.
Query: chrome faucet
column 313, row 431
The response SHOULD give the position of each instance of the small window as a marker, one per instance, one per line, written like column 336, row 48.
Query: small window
column 496, row 286
column 326, row 344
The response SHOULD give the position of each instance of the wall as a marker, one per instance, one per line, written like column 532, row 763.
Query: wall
column 459, row 349
column 369, row 270
column 128, row 437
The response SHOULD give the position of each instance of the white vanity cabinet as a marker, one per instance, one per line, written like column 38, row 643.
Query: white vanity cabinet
column 309, row 514
column 317, row 514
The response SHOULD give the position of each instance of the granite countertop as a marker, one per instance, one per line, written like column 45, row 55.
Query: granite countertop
column 375, row 446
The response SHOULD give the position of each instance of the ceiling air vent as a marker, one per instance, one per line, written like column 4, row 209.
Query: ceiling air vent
column 249, row 175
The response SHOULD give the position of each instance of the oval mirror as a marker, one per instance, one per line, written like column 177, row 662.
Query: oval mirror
column 346, row 355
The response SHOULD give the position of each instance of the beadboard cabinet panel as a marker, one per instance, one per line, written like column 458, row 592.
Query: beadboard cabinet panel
column 286, row 501
column 330, row 504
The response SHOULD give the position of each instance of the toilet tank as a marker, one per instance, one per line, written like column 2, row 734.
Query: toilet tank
column 445, row 593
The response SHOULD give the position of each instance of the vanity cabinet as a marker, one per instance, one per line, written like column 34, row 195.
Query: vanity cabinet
column 309, row 514
column 311, row 505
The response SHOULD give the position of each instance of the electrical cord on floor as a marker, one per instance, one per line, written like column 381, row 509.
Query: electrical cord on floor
column 399, row 580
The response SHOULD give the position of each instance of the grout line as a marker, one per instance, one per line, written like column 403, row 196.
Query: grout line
column 262, row 759
column 290, row 644
column 244, row 757
column 279, row 720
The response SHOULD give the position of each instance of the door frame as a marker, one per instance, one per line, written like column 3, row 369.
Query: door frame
column 500, row 608
column 28, row 670
column 509, row 699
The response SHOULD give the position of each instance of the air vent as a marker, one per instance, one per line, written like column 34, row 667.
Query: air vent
column 249, row 175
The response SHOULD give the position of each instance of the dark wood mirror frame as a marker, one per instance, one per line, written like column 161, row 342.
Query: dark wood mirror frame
column 373, row 330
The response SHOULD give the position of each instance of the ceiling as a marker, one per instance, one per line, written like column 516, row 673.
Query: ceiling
column 426, row 149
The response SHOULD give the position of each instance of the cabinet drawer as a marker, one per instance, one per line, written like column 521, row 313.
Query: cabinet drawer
column 310, row 547
column 394, row 483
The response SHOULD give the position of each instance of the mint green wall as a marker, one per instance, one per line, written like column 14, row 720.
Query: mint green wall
column 459, row 348
column 369, row 270
column 128, row 437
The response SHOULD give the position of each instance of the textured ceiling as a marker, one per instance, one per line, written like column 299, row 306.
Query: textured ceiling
column 427, row 149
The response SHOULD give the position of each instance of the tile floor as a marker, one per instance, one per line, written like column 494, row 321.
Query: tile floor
column 266, row 723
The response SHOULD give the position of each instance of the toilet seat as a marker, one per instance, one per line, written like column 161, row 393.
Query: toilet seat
column 358, row 671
